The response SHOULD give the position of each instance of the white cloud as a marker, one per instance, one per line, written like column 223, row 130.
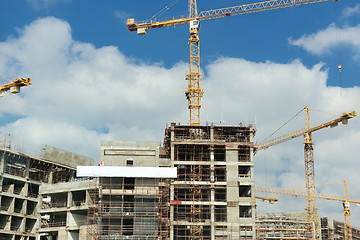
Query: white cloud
column 82, row 95
column 78, row 85
column 320, row 42
column 271, row 94
column 123, row 16
column 44, row 4
column 351, row 11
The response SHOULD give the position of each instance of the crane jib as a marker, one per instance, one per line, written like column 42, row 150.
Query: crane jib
column 222, row 12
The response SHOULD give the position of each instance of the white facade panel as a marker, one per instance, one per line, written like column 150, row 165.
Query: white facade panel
column 113, row 171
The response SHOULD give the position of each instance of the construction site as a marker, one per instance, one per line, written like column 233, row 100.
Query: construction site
column 197, row 183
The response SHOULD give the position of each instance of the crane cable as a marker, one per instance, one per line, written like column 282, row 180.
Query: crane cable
column 283, row 125
column 333, row 115
column 5, row 78
column 339, row 49
column 329, row 113
column 162, row 11
column 339, row 56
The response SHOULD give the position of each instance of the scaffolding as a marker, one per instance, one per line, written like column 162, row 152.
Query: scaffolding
column 212, row 197
column 221, row 133
column 136, row 208
column 334, row 230
column 282, row 226
column 288, row 226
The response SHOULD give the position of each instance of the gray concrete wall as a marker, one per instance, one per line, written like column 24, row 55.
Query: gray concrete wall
column 66, row 158
column 67, row 186
column 121, row 153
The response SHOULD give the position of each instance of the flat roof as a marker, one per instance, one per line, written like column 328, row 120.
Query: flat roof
column 114, row 171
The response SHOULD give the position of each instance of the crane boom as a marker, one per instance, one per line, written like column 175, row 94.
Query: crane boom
column 270, row 199
column 219, row 13
column 14, row 86
column 304, row 194
column 333, row 123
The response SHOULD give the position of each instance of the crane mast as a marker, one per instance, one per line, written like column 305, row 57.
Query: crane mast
column 193, row 12
column 347, row 218
column 194, row 92
column 193, row 95
column 311, row 210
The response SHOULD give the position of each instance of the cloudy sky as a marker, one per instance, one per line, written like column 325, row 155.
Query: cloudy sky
column 93, row 80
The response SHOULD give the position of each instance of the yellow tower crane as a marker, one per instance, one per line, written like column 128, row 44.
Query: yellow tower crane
column 15, row 85
column 344, row 199
column 311, row 209
column 194, row 92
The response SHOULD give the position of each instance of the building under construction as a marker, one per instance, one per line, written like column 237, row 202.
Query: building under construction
column 332, row 229
column 210, row 197
column 198, row 184
column 213, row 195
column 295, row 226
column 23, row 178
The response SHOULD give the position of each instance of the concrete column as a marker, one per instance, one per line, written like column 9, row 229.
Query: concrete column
column 50, row 177
column 172, row 135
column 172, row 187
column 68, row 213
column 63, row 234
column 172, row 152
column 172, row 157
column 232, row 190
column 22, row 224
column 2, row 161
column 69, row 199
column 212, row 136
column 253, row 200
column 83, row 232
column 27, row 168
column 212, row 191
column 171, row 216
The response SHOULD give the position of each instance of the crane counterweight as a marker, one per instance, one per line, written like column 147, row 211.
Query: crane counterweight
column 15, row 85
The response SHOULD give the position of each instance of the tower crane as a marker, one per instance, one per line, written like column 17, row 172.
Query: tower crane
column 311, row 210
column 194, row 92
column 15, row 85
column 344, row 199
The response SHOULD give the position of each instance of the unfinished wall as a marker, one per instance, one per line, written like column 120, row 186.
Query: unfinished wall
column 65, row 157
column 130, row 153
column 334, row 230
column 283, row 226
column 64, row 209
column 21, row 177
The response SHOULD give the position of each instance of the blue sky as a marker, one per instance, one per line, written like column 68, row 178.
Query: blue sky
column 93, row 80
column 257, row 36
